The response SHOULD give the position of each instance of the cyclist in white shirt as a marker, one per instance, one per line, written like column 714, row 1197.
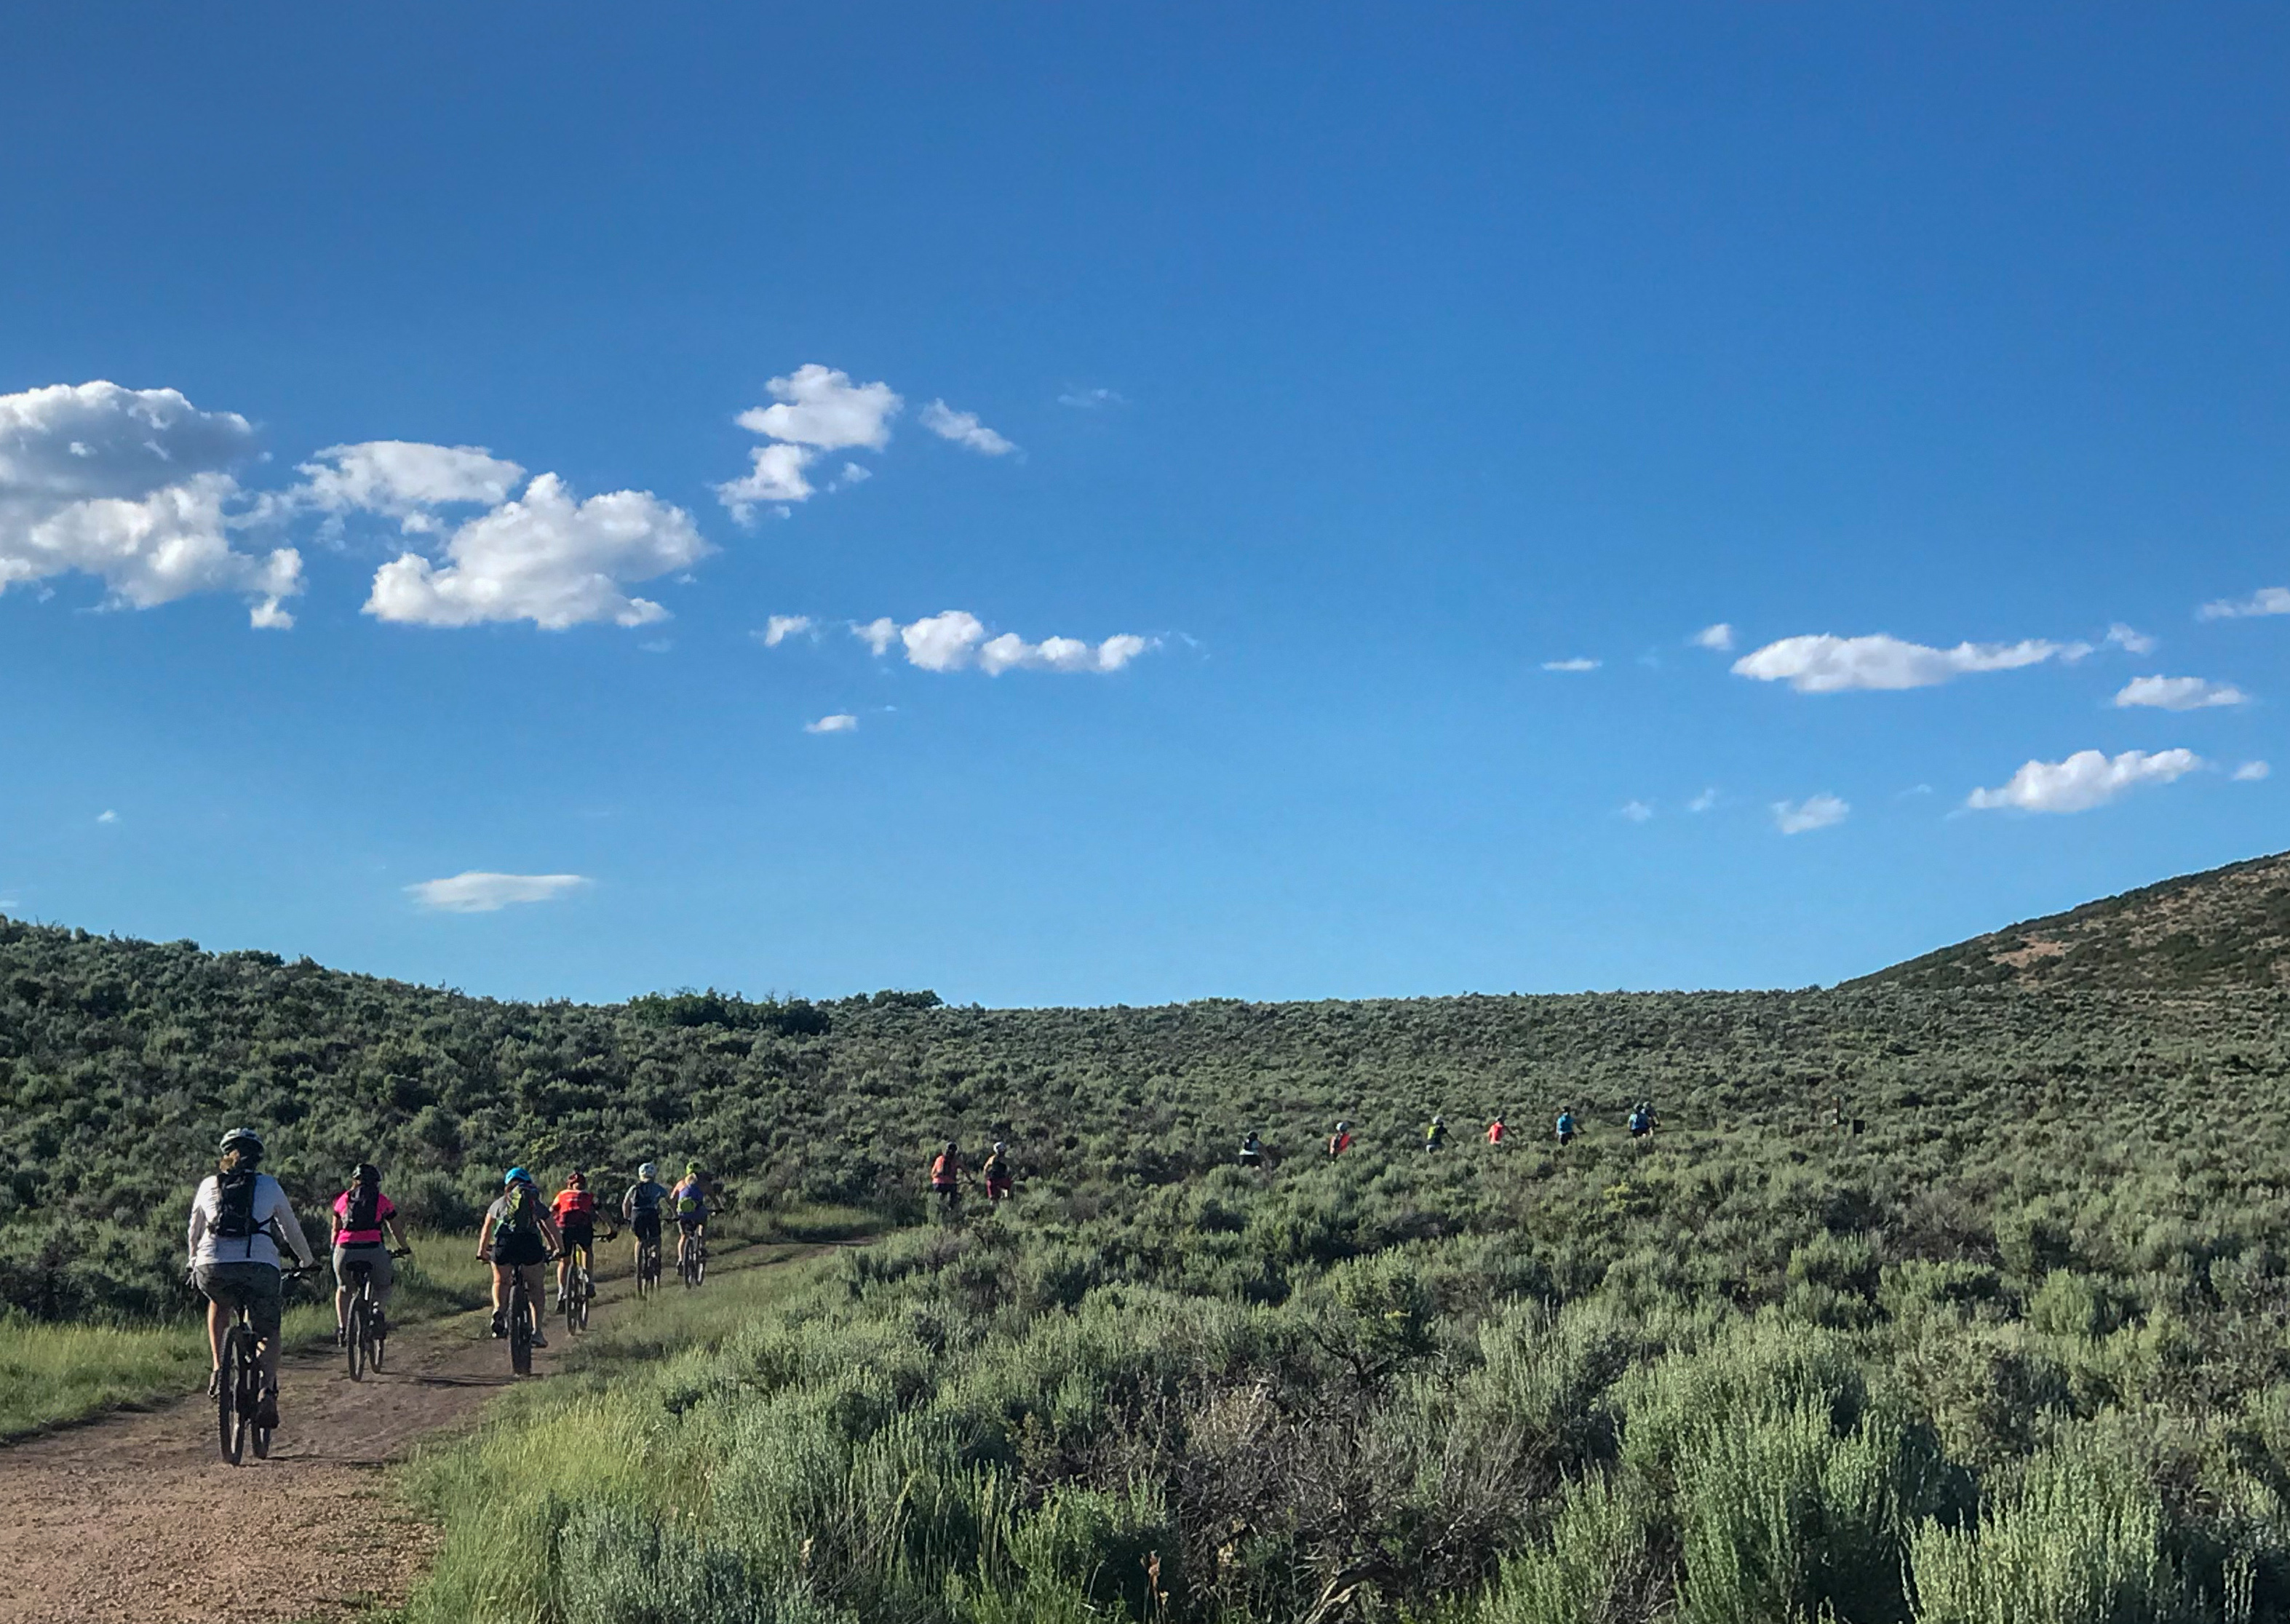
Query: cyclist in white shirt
column 238, row 1220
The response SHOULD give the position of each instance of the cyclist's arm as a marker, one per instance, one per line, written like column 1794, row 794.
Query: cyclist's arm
column 198, row 1230
column 396, row 1226
column 485, row 1237
column 550, row 1233
column 291, row 1227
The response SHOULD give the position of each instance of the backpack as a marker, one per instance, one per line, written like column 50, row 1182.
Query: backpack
column 234, row 1204
column 520, row 1214
column 365, row 1207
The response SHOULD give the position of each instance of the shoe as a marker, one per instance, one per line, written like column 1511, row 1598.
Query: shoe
column 266, row 1413
column 540, row 1340
column 499, row 1329
column 214, row 1384
column 341, row 1336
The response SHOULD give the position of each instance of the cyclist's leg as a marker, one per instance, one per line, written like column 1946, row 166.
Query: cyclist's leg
column 536, row 1280
column 500, row 1298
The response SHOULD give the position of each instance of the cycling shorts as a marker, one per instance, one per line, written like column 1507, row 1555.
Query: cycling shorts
column 580, row 1234
column 523, row 1251
column 374, row 1258
column 258, row 1286
column 645, row 1224
column 690, row 1222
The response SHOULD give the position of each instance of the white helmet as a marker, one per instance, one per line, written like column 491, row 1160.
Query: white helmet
column 647, row 1171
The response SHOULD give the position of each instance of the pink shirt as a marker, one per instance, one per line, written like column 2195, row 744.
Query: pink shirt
column 384, row 1207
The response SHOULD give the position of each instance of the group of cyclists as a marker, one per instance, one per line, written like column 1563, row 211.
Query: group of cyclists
column 994, row 1175
column 241, row 1219
column 1641, row 1122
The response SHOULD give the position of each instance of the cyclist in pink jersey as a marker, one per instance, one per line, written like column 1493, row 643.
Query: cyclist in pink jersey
column 361, row 1213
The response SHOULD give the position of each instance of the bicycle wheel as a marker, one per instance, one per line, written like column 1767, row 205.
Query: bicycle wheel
column 229, row 1434
column 378, row 1330
column 354, row 1337
column 520, row 1335
column 699, row 1262
column 586, row 1286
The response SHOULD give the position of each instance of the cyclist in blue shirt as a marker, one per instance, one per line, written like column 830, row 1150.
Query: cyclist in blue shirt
column 690, row 1197
column 1566, row 1127
column 641, row 1207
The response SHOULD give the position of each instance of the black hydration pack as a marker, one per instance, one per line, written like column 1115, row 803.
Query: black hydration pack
column 365, row 1207
column 235, row 1207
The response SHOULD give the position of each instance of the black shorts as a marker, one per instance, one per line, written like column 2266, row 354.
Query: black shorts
column 583, row 1236
column 645, row 1226
column 691, row 1225
column 519, row 1251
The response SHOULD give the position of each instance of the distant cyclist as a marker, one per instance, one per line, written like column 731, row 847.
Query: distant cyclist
column 360, row 1215
column 518, row 1234
column 946, row 1176
column 996, row 1171
column 1252, row 1151
column 1341, row 1140
column 238, row 1217
column 641, row 1206
column 1566, row 1127
column 689, row 1199
column 1495, row 1131
column 1642, row 1119
column 575, row 1212
column 1435, row 1135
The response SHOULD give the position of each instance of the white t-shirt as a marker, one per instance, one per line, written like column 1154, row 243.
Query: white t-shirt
column 271, row 1209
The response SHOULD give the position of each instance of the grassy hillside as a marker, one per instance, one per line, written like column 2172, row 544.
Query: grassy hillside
column 2224, row 929
column 2013, row 1350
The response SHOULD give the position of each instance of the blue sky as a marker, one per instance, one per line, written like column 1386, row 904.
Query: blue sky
column 1249, row 405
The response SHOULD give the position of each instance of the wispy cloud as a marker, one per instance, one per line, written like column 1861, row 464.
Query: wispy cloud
column 1827, row 664
column 1817, row 811
column 842, row 723
column 965, row 429
column 2085, row 780
column 1703, row 801
column 107, row 816
column 2266, row 600
column 2130, row 640
column 477, row 892
column 1636, row 811
column 2178, row 693
column 780, row 627
column 2252, row 772
column 1719, row 638
column 1091, row 400
column 1579, row 663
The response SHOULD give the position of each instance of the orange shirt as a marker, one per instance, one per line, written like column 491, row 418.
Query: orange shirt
column 574, row 1207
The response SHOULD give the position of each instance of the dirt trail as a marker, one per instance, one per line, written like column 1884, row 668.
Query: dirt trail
column 136, row 1516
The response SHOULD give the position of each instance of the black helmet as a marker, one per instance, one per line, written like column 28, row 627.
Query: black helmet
column 246, row 1141
column 365, row 1172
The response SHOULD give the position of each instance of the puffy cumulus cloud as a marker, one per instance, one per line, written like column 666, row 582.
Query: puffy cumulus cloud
column 133, row 487
column 1826, row 664
column 955, row 640
column 478, row 893
column 2179, row 693
column 775, row 476
column 1717, row 638
column 843, row 722
column 1579, row 663
column 404, row 480
column 820, row 407
column 965, row 429
column 2251, row 773
column 2085, row 780
column 546, row 558
column 780, row 627
column 1816, row 811
column 2266, row 600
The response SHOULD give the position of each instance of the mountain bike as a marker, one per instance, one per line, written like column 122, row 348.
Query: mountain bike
column 648, row 1263
column 692, row 1259
column 580, row 1287
column 238, row 1386
column 519, row 1310
column 365, row 1327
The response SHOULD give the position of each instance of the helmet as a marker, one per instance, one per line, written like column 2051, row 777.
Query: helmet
column 999, row 1147
column 1343, row 1127
column 648, row 1171
column 246, row 1141
column 951, row 1148
column 515, row 1175
column 365, row 1172
column 690, row 1168
column 1438, row 1122
column 576, row 1180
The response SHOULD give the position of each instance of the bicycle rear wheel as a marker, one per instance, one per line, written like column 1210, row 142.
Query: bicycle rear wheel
column 520, row 1335
column 230, row 1435
column 355, row 1333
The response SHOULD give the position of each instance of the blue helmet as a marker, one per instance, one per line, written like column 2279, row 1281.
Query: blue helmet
column 515, row 1175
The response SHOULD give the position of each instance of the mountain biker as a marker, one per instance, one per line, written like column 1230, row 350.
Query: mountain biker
column 1435, row 1135
column 1341, row 1140
column 690, row 1197
column 1566, row 1127
column 361, row 1213
column 997, row 1169
column 238, row 1217
column 518, row 1233
column 1252, row 1151
column 946, row 1176
column 641, row 1207
column 1495, row 1131
column 1642, row 1119
column 574, row 1208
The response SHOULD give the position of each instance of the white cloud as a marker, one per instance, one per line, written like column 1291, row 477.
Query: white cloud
column 1091, row 400
column 843, row 723
column 965, row 429
column 1579, row 663
column 2179, row 693
column 1825, row 664
column 1719, row 638
column 954, row 640
column 2085, row 780
column 131, row 486
column 2266, row 600
column 1814, row 813
column 2130, row 640
column 477, row 892
column 107, row 816
column 774, row 475
column 404, row 480
column 544, row 559
column 820, row 407
column 2251, row 771
column 1636, row 811
column 1703, row 801
column 854, row 474
column 877, row 634
column 780, row 627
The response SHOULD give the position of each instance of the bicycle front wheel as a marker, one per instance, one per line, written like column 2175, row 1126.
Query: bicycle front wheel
column 355, row 1331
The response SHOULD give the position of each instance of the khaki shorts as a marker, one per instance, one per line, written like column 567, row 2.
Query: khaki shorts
column 257, row 1285
column 380, row 1265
